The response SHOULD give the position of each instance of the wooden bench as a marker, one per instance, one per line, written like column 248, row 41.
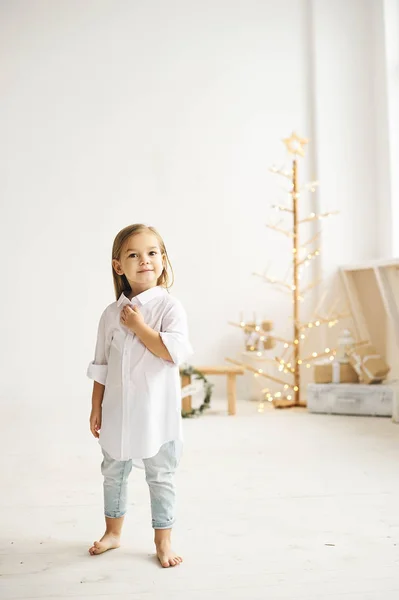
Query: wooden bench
column 230, row 372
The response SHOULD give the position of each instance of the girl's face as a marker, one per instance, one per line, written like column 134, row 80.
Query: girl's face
column 141, row 261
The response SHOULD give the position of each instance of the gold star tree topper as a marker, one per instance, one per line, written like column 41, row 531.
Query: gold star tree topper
column 295, row 144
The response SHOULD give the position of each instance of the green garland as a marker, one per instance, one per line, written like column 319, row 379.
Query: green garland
column 190, row 371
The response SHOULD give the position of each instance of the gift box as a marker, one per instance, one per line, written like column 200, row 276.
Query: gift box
column 334, row 372
column 368, row 364
column 269, row 342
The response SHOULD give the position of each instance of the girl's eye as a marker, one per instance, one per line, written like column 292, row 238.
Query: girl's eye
column 153, row 252
column 132, row 255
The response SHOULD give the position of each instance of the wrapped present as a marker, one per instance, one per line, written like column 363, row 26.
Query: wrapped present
column 267, row 326
column 269, row 342
column 368, row 364
column 252, row 341
column 328, row 371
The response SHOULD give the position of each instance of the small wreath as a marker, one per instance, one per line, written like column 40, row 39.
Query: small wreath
column 191, row 371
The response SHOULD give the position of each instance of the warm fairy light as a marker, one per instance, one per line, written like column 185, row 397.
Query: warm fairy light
column 262, row 339
column 281, row 362
column 257, row 328
column 285, row 345
column 296, row 388
column 261, row 407
column 286, row 387
column 308, row 366
column 277, row 394
column 317, row 323
column 312, row 214
column 310, row 325
column 299, row 362
column 294, row 250
column 293, row 287
column 302, row 336
column 256, row 375
column 314, row 354
column 259, row 354
column 242, row 324
column 289, row 397
column 280, row 369
column 296, row 341
column 327, row 350
column 260, row 371
column 331, row 358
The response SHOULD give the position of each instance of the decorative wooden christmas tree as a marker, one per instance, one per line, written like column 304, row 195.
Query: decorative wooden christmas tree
column 302, row 255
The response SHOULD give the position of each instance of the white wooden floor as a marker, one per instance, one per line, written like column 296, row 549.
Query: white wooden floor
column 278, row 505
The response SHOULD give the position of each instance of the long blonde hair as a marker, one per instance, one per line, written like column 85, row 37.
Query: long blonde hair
column 121, row 284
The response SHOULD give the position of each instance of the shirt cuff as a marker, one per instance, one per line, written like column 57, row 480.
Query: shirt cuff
column 97, row 372
column 179, row 348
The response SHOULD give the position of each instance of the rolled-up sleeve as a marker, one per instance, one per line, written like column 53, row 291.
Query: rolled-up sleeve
column 174, row 334
column 98, row 368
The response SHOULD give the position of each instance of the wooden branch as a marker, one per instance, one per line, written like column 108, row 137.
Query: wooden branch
column 310, row 256
column 314, row 217
column 258, row 372
column 311, row 240
column 282, row 208
column 280, row 230
column 273, row 281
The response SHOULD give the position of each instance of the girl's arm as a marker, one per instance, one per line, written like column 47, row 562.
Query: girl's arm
column 171, row 343
column 152, row 339
column 97, row 396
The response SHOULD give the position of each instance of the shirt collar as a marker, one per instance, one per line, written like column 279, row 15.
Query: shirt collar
column 142, row 298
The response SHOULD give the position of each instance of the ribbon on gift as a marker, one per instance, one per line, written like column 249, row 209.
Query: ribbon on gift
column 360, row 366
column 335, row 367
column 336, row 371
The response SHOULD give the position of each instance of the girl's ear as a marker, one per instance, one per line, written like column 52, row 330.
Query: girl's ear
column 117, row 267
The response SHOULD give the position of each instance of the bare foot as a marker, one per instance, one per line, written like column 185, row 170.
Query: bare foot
column 107, row 542
column 166, row 556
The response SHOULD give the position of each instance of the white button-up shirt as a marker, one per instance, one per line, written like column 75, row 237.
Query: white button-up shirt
column 141, row 407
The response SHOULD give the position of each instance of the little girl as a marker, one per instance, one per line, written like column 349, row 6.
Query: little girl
column 136, row 402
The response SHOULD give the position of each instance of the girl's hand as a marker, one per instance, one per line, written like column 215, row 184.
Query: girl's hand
column 95, row 422
column 131, row 317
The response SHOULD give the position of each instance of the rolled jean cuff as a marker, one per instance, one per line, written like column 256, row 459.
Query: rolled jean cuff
column 115, row 515
column 157, row 525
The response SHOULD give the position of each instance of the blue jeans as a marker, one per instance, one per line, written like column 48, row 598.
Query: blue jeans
column 159, row 474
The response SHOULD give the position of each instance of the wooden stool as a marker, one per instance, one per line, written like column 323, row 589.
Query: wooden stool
column 230, row 372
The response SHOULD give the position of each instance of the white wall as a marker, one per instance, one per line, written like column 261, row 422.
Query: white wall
column 167, row 113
